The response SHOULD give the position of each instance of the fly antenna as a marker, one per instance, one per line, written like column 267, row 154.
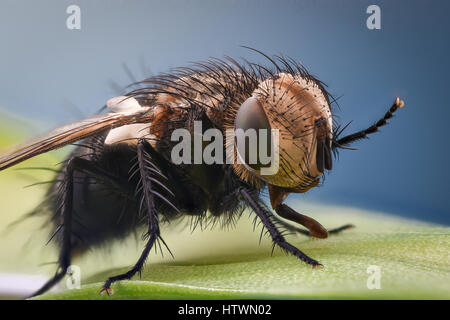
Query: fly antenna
column 343, row 142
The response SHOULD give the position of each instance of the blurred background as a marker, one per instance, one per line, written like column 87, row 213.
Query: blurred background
column 50, row 75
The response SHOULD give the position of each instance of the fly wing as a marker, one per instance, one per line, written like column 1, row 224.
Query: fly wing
column 73, row 132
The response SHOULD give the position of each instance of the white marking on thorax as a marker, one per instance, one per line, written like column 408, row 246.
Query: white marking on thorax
column 131, row 133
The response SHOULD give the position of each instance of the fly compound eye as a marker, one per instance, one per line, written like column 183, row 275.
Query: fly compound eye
column 253, row 135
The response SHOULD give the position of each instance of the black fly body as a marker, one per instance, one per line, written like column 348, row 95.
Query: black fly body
column 122, row 176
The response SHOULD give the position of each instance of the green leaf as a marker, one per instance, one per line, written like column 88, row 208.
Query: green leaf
column 413, row 257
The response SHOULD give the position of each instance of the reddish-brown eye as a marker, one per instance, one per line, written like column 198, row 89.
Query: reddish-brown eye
column 254, row 125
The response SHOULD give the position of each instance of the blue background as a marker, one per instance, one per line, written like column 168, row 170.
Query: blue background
column 46, row 70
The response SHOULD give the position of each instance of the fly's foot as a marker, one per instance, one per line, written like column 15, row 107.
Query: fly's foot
column 340, row 229
column 106, row 289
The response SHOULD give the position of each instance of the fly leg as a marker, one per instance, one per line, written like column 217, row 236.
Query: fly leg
column 292, row 228
column 341, row 228
column 315, row 228
column 146, row 168
column 74, row 164
column 278, row 239
column 305, row 232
